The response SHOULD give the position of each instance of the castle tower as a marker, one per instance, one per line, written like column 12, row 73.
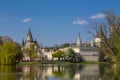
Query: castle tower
column 29, row 37
column 23, row 42
column 79, row 43
column 29, row 40
column 29, row 44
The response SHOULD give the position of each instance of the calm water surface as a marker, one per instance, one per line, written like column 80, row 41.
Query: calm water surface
column 60, row 72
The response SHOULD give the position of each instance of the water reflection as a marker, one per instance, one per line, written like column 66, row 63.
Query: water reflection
column 8, row 72
column 59, row 72
column 90, row 72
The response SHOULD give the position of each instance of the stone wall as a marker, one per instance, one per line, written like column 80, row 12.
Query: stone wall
column 88, row 54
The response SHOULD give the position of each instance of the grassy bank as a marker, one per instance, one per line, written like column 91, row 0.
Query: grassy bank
column 29, row 63
column 38, row 63
column 92, row 62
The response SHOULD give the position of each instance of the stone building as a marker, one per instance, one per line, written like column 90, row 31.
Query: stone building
column 31, row 49
column 98, row 38
column 86, row 51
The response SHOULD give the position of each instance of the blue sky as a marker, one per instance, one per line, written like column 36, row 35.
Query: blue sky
column 52, row 21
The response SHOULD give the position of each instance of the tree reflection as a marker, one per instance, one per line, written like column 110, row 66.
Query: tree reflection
column 60, row 71
column 67, row 71
column 110, row 72
column 8, row 72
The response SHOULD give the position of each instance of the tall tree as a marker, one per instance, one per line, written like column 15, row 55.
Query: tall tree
column 70, row 54
column 1, row 43
column 58, row 54
column 110, row 36
column 9, row 52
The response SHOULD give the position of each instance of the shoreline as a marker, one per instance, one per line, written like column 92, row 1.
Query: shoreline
column 39, row 63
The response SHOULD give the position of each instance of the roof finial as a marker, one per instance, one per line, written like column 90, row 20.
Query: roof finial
column 79, row 34
column 29, row 29
column 79, row 40
column 36, row 40
column 23, row 41
column 29, row 36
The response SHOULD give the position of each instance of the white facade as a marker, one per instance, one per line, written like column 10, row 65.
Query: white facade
column 29, row 44
column 97, row 41
column 90, row 54
column 86, row 53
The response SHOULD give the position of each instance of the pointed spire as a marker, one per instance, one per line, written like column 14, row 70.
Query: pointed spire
column 79, row 34
column 35, row 40
column 29, row 36
column 23, row 42
column 79, row 40
column 29, row 30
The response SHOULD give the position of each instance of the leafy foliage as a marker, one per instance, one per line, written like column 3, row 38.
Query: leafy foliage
column 70, row 54
column 10, row 51
column 1, row 43
column 65, row 45
column 110, row 35
column 30, row 52
column 58, row 54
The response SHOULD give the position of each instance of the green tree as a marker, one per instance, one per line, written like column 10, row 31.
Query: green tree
column 9, row 53
column 1, row 43
column 110, row 35
column 111, row 43
column 58, row 54
column 70, row 54
column 64, row 45
column 30, row 52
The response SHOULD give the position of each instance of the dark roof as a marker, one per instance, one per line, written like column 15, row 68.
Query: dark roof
column 29, row 36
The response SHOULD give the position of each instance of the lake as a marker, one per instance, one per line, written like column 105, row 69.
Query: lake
column 60, row 72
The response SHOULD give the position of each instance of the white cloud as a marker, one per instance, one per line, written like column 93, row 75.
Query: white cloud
column 97, row 16
column 80, row 22
column 26, row 20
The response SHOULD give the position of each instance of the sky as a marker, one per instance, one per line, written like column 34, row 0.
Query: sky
column 52, row 21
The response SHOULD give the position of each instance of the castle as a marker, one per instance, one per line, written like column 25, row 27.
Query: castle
column 86, row 51
column 83, row 51
column 30, row 48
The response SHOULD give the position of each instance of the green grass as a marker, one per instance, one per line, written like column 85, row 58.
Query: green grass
column 29, row 63
column 54, row 62
column 38, row 63
column 92, row 62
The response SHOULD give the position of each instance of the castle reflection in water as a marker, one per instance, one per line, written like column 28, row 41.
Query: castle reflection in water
column 60, row 72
